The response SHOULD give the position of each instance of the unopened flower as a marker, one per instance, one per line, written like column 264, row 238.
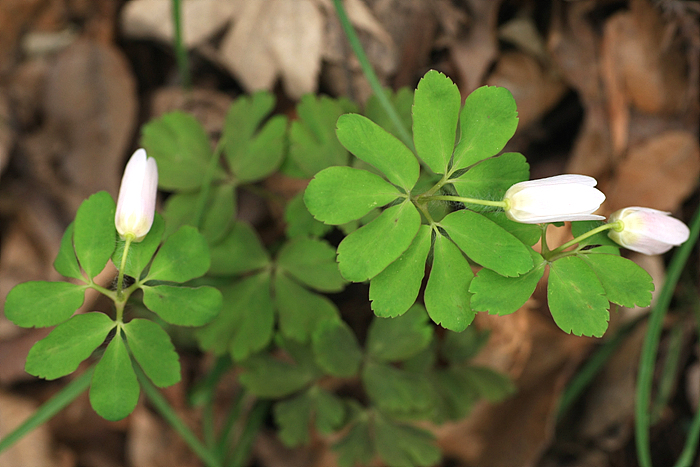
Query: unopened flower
column 136, row 205
column 554, row 199
column 647, row 230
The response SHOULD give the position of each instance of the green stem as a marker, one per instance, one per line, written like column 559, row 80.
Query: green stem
column 461, row 199
column 206, row 185
column 180, row 50
column 170, row 416
column 650, row 349
column 120, row 280
column 371, row 76
column 583, row 237
column 233, row 415
column 50, row 408
column 256, row 417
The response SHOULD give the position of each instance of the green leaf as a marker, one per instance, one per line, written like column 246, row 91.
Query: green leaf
column 487, row 384
column 311, row 262
column 357, row 447
column 155, row 353
column 330, row 410
column 183, row 306
column 239, row 252
column 182, row 149
column 217, row 217
column 625, row 283
column 300, row 222
column 401, row 445
column 300, row 311
column 576, row 298
column 246, row 321
column 114, row 391
column 435, row 114
column 66, row 263
column 396, row 288
column 336, row 348
column 253, row 150
column 396, row 391
column 269, row 378
column 183, row 256
column 402, row 100
column 369, row 250
column 447, row 292
column 396, row 339
column 487, row 243
column 338, row 195
column 490, row 178
column 60, row 353
column 488, row 120
column 529, row 234
column 503, row 295
column 141, row 253
column 313, row 145
column 458, row 347
column 293, row 417
column 42, row 304
column 371, row 143
column 94, row 234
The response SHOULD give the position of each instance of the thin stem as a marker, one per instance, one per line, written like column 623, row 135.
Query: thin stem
column 256, row 417
column 371, row 76
column 170, row 416
column 651, row 347
column 233, row 415
column 582, row 237
column 460, row 199
column 543, row 236
column 206, row 185
column 120, row 280
column 50, row 408
column 183, row 65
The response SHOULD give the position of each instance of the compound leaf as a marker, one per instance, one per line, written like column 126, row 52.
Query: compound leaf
column 311, row 262
column 66, row 262
column 435, row 114
column 336, row 348
column 183, row 256
column 487, row 243
column 395, row 390
column 246, row 321
column 300, row 310
column 60, row 353
column 625, row 283
column 503, row 295
column 42, row 304
column 577, row 298
column 268, row 377
column 94, row 234
column 447, row 292
column 114, row 391
column 337, row 195
column 369, row 250
column 396, row 288
column 401, row 445
column 396, row 339
column 155, row 353
column 239, row 252
column 181, row 147
column 488, row 120
column 300, row 222
column 374, row 145
column 490, row 178
column 183, row 306
column 141, row 253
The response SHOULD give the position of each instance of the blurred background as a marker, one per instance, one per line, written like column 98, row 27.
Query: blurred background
column 607, row 88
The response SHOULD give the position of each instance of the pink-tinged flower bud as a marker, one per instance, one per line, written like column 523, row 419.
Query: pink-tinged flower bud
column 647, row 230
column 136, row 205
column 554, row 199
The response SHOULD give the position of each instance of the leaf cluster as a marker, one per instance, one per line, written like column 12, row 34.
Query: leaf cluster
column 159, row 271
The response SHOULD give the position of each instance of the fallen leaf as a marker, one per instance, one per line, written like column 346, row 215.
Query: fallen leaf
column 276, row 39
column 201, row 19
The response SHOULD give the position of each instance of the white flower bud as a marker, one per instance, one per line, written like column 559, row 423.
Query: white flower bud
column 554, row 199
column 647, row 230
column 136, row 205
